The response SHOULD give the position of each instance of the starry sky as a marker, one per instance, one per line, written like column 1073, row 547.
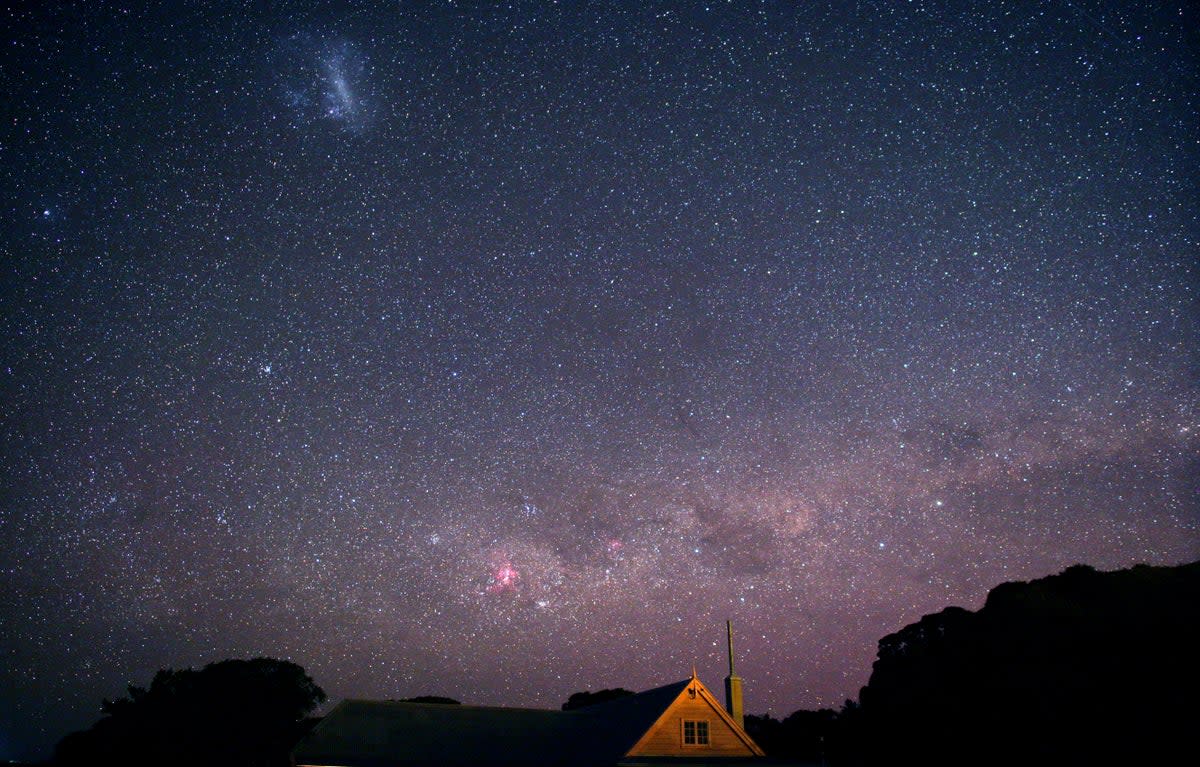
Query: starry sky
column 504, row 351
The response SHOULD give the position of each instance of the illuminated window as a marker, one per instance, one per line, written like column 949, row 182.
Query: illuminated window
column 695, row 733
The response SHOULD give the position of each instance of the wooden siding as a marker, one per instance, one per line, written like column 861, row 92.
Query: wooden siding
column 665, row 737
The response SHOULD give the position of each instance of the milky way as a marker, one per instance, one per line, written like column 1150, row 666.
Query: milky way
column 505, row 353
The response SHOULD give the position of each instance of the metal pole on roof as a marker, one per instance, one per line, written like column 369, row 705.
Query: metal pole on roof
column 729, row 633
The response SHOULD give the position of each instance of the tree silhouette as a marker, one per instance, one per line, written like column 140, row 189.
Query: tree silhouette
column 431, row 699
column 582, row 699
column 811, row 736
column 235, row 712
column 1080, row 667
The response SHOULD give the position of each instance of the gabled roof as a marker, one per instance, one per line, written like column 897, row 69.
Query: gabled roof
column 701, row 692
column 362, row 733
column 617, row 725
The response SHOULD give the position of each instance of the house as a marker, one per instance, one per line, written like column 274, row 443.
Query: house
column 682, row 720
column 681, row 723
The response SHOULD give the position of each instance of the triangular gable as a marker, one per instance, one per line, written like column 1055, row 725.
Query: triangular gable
column 695, row 702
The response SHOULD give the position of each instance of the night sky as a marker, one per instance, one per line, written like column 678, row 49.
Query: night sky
column 501, row 352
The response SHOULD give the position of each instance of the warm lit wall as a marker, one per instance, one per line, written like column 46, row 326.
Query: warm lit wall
column 666, row 737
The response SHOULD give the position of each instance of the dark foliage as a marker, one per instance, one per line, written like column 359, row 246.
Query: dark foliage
column 802, row 735
column 235, row 712
column 1080, row 667
column 431, row 699
column 821, row 736
column 581, row 699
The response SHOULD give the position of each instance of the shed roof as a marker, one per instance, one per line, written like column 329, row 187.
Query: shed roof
column 363, row 733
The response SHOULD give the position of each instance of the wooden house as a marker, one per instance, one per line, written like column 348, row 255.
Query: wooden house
column 681, row 723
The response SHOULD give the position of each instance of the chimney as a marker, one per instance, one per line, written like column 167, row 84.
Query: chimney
column 733, row 685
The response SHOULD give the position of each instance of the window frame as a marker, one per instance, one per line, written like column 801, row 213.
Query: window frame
column 701, row 733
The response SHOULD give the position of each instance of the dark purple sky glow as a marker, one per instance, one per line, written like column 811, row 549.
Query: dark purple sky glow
column 501, row 352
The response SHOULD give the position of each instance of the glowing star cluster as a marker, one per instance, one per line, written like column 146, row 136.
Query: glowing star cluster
column 341, row 103
column 323, row 79
column 504, row 580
